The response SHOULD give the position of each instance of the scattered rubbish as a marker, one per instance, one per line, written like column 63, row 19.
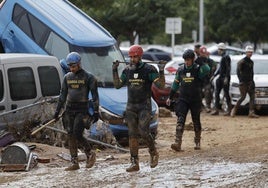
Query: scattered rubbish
column 43, row 160
column 67, row 156
column 6, row 138
column 17, row 157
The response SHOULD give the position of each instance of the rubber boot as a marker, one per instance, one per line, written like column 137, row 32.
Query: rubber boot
column 134, row 166
column 197, row 140
column 253, row 115
column 177, row 145
column 73, row 153
column 208, row 109
column 74, row 165
column 134, row 148
column 233, row 112
column 154, row 155
column 215, row 112
column 228, row 112
column 91, row 159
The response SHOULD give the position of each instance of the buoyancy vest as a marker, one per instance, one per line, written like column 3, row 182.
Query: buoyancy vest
column 139, row 83
column 190, row 84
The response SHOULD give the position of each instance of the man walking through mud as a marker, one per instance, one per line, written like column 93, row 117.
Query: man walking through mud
column 188, row 81
column 207, row 85
column 139, row 77
column 223, row 81
column 245, row 74
column 75, row 89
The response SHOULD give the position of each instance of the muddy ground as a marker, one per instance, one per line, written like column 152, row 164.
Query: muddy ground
column 234, row 154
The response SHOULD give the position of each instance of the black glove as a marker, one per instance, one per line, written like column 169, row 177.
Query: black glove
column 115, row 65
column 95, row 117
column 161, row 65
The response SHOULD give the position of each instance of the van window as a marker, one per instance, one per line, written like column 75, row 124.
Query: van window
column 40, row 33
column 1, row 86
column 21, row 83
column 49, row 81
column 30, row 25
column 56, row 46
column 99, row 60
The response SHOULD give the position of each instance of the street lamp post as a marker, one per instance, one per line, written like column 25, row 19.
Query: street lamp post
column 201, row 21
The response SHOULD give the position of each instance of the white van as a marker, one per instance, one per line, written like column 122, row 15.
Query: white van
column 26, row 79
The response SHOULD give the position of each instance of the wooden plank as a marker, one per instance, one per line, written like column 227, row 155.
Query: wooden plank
column 12, row 167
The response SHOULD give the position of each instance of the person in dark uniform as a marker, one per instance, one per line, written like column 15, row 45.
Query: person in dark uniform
column 245, row 74
column 139, row 77
column 197, row 50
column 223, row 81
column 207, row 85
column 188, row 81
column 74, row 92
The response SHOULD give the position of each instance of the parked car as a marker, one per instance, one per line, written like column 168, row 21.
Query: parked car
column 230, row 50
column 260, row 78
column 162, row 48
column 58, row 27
column 148, row 56
column 24, row 80
column 156, row 56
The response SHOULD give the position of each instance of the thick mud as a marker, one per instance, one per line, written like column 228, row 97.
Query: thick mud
column 234, row 153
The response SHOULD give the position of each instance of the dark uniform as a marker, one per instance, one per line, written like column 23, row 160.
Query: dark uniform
column 223, row 82
column 245, row 75
column 138, row 79
column 189, row 82
column 74, row 91
column 207, row 91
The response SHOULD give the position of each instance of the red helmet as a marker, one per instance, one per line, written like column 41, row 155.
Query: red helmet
column 135, row 50
column 203, row 50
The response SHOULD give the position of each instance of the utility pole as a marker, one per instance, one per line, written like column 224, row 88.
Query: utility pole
column 201, row 21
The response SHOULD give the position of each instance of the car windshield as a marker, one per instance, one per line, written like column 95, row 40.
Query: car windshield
column 98, row 61
column 260, row 66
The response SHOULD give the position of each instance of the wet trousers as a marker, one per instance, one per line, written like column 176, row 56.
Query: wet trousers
column 74, row 124
column 182, row 109
column 247, row 87
column 138, row 119
column 219, row 86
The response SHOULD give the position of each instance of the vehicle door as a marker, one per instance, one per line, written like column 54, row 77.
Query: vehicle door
column 21, row 81
column 24, row 33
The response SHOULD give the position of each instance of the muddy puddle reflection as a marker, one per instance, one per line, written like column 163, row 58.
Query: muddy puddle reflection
column 183, row 172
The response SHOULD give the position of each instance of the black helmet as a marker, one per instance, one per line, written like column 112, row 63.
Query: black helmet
column 188, row 54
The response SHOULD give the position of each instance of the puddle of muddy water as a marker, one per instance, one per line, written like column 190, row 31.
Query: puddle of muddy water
column 183, row 172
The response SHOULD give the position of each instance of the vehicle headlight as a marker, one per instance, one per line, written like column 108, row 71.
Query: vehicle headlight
column 110, row 117
column 155, row 116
